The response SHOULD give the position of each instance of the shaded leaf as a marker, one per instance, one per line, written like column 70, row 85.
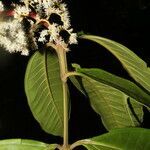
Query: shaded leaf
column 78, row 83
column 18, row 144
column 76, row 80
column 135, row 66
column 120, row 139
column 44, row 91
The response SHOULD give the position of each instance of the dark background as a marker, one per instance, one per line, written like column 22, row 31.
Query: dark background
column 126, row 21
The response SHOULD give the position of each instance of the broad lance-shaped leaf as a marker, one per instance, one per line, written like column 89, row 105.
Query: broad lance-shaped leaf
column 135, row 66
column 19, row 144
column 119, row 139
column 112, row 105
column 44, row 91
column 119, row 83
column 117, row 108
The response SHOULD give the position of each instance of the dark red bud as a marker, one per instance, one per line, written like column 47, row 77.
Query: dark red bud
column 32, row 15
column 9, row 13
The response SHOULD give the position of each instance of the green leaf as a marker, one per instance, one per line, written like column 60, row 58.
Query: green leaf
column 135, row 66
column 78, row 83
column 44, row 91
column 120, row 139
column 19, row 144
column 76, row 80
column 112, row 105
column 121, row 84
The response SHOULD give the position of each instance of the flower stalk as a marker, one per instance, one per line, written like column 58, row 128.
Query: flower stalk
column 63, row 71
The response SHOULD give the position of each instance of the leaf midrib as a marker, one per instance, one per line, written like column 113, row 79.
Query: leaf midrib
column 95, row 91
column 93, row 143
column 48, row 84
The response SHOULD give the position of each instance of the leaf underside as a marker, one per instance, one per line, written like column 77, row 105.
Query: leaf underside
column 44, row 91
column 19, row 144
column 112, row 105
column 135, row 66
column 120, row 139
column 119, row 83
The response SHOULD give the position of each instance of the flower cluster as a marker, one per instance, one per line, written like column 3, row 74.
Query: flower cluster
column 13, row 38
column 35, row 22
column 1, row 6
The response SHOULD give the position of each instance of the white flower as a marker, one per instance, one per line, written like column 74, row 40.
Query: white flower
column 66, row 20
column 46, row 4
column 73, row 38
column 21, row 11
column 1, row 6
column 12, row 37
column 52, row 10
column 54, row 32
column 43, row 35
column 63, row 7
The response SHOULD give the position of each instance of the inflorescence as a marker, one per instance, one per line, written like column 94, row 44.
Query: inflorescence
column 32, row 23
